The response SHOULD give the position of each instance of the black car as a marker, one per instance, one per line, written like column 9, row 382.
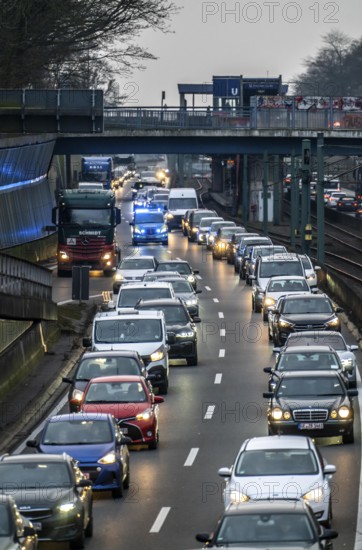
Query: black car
column 347, row 204
column 300, row 313
column 269, row 524
column 316, row 404
column 16, row 532
column 182, row 267
column 179, row 323
column 51, row 492
column 194, row 221
column 101, row 363
column 233, row 243
column 301, row 358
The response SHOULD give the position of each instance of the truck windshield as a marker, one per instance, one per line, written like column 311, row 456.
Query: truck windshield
column 184, row 203
column 86, row 216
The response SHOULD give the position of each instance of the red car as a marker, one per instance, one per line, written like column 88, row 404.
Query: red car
column 131, row 401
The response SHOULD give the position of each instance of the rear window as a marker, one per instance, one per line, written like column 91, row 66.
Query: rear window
column 106, row 366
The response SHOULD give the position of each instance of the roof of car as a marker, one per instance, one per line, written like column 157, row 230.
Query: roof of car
column 133, row 257
column 164, row 302
column 278, row 442
column 69, row 417
column 118, row 353
column 119, row 378
column 266, row 506
column 315, row 334
column 161, row 262
column 143, row 284
column 36, row 457
column 130, row 313
column 286, row 278
column 310, row 374
column 304, row 297
column 309, row 349
column 287, row 257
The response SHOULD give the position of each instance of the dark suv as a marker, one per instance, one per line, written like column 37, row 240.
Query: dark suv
column 296, row 313
column 194, row 221
column 178, row 322
column 51, row 492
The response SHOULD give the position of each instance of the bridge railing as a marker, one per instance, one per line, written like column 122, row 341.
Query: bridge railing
column 21, row 278
column 251, row 118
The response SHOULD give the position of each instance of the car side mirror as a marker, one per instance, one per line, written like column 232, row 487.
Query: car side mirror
column 125, row 440
column 158, row 399
column 203, row 537
column 68, row 380
column 195, row 271
column 268, row 370
column 329, row 469
column 32, row 443
column 268, row 394
column 87, row 342
column 198, row 291
column 328, row 534
column 352, row 393
column 314, row 290
column 196, row 319
column 252, row 277
column 353, row 347
column 111, row 304
column 317, row 268
column 224, row 472
column 339, row 309
column 84, row 483
column 131, row 223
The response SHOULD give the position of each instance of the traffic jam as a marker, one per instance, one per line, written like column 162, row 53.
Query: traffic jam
column 119, row 388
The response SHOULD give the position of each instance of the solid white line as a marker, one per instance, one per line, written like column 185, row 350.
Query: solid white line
column 358, row 539
column 209, row 412
column 221, row 315
column 216, row 300
column 218, row 378
column 160, row 519
column 222, row 332
column 221, row 353
column 207, row 288
column 191, row 457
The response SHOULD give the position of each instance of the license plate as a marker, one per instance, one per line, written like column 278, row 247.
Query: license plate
column 86, row 475
column 37, row 525
column 124, row 430
column 311, row 425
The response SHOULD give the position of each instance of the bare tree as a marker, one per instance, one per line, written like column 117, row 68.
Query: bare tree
column 43, row 40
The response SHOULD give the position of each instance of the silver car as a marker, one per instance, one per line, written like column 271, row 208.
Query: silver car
column 310, row 270
column 265, row 466
column 132, row 269
column 185, row 291
column 282, row 286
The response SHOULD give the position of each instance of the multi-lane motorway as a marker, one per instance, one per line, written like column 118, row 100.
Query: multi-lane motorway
column 209, row 410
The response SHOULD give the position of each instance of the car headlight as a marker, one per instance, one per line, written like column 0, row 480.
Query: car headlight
column 109, row 458
column 344, row 412
column 185, row 334
column 191, row 279
column 285, row 324
column 277, row 413
column 169, row 216
column 66, row 507
column 191, row 302
column 269, row 302
column 311, row 277
column 106, row 256
column 63, row 255
column 145, row 415
column 77, row 395
column 119, row 277
column 211, row 238
column 194, row 230
column 236, row 497
column 315, row 495
column 137, row 229
column 347, row 363
column 164, row 229
column 157, row 355
column 333, row 322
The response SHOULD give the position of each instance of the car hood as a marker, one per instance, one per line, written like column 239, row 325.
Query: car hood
column 178, row 328
column 27, row 499
column 311, row 402
column 276, row 295
column 274, row 487
column 118, row 410
column 83, row 453
column 133, row 273
column 143, row 348
column 185, row 295
column 307, row 318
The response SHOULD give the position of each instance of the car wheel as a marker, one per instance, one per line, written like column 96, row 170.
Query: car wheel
column 257, row 308
column 163, row 388
column 270, row 431
column 265, row 316
column 78, row 542
column 235, row 268
column 328, row 522
column 154, row 445
column 127, row 479
column 270, row 334
column 89, row 529
column 118, row 492
column 242, row 274
column 348, row 438
column 192, row 360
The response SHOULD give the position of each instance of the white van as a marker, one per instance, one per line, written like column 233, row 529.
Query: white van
column 180, row 199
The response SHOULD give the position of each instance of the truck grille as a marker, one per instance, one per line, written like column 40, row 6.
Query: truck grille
column 310, row 415
column 87, row 247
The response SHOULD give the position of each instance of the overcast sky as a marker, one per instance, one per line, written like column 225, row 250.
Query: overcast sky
column 250, row 38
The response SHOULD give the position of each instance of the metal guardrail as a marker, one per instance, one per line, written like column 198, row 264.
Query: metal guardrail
column 21, row 278
column 252, row 118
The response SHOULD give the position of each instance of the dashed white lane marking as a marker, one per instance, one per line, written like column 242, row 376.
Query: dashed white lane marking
column 160, row 519
column 215, row 300
column 191, row 458
column 199, row 277
column 207, row 288
column 221, row 315
column 221, row 353
column 222, row 332
column 218, row 378
column 169, row 252
column 209, row 412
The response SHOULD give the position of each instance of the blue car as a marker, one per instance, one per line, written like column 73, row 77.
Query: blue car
column 149, row 226
column 95, row 441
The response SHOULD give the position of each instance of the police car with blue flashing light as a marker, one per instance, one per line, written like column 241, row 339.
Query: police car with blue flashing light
column 149, row 226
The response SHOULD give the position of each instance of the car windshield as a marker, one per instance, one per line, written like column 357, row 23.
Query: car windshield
column 327, row 338
column 207, row 222
column 264, row 528
column 137, row 263
column 106, row 366
column 215, row 226
column 307, row 305
column 128, row 297
column 276, row 462
column 116, row 392
column 77, row 432
column 34, row 475
column 182, row 287
column 174, row 315
column 182, row 203
column 227, row 232
column 310, row 386
column 4, row 521
column 197, row 217
column 287, row 285
column 127, row 331
column 156, row 275
column 280, row 267
column 307, row 361
column 180, row 267
column 149, row 217
column 267, row 250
